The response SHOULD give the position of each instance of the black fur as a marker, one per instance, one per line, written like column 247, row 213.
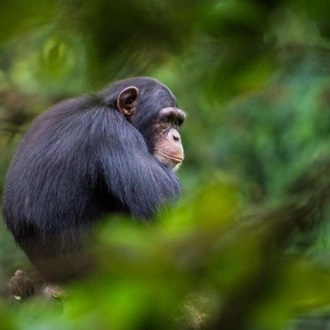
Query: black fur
column 80, row 161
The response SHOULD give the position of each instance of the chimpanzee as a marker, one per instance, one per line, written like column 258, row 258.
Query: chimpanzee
column 111, row 152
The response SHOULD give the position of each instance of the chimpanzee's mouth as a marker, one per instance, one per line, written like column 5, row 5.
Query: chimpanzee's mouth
column 174, row 159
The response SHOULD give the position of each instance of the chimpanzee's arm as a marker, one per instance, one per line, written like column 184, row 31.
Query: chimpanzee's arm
column 131, row 173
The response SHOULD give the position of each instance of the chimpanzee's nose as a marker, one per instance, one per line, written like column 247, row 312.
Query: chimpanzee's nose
column 176, row 136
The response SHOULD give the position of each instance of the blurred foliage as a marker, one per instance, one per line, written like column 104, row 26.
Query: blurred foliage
column 248, row 246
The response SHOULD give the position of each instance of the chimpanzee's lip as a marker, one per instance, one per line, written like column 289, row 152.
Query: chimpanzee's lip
column 175, row 159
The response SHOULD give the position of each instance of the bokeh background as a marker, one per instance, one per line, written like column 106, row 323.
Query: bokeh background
column 248, row 245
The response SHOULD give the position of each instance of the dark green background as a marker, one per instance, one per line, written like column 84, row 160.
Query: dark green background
column 248, row 245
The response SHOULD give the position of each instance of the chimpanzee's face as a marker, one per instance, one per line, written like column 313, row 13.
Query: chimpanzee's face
column 167, row 147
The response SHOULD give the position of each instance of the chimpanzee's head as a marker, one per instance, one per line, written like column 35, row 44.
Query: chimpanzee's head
column 151, row 108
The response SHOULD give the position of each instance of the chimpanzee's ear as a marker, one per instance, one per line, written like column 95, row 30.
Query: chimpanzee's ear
column 127, row 101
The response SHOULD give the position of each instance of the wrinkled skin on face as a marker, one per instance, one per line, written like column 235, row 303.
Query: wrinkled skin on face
column 168, row 149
